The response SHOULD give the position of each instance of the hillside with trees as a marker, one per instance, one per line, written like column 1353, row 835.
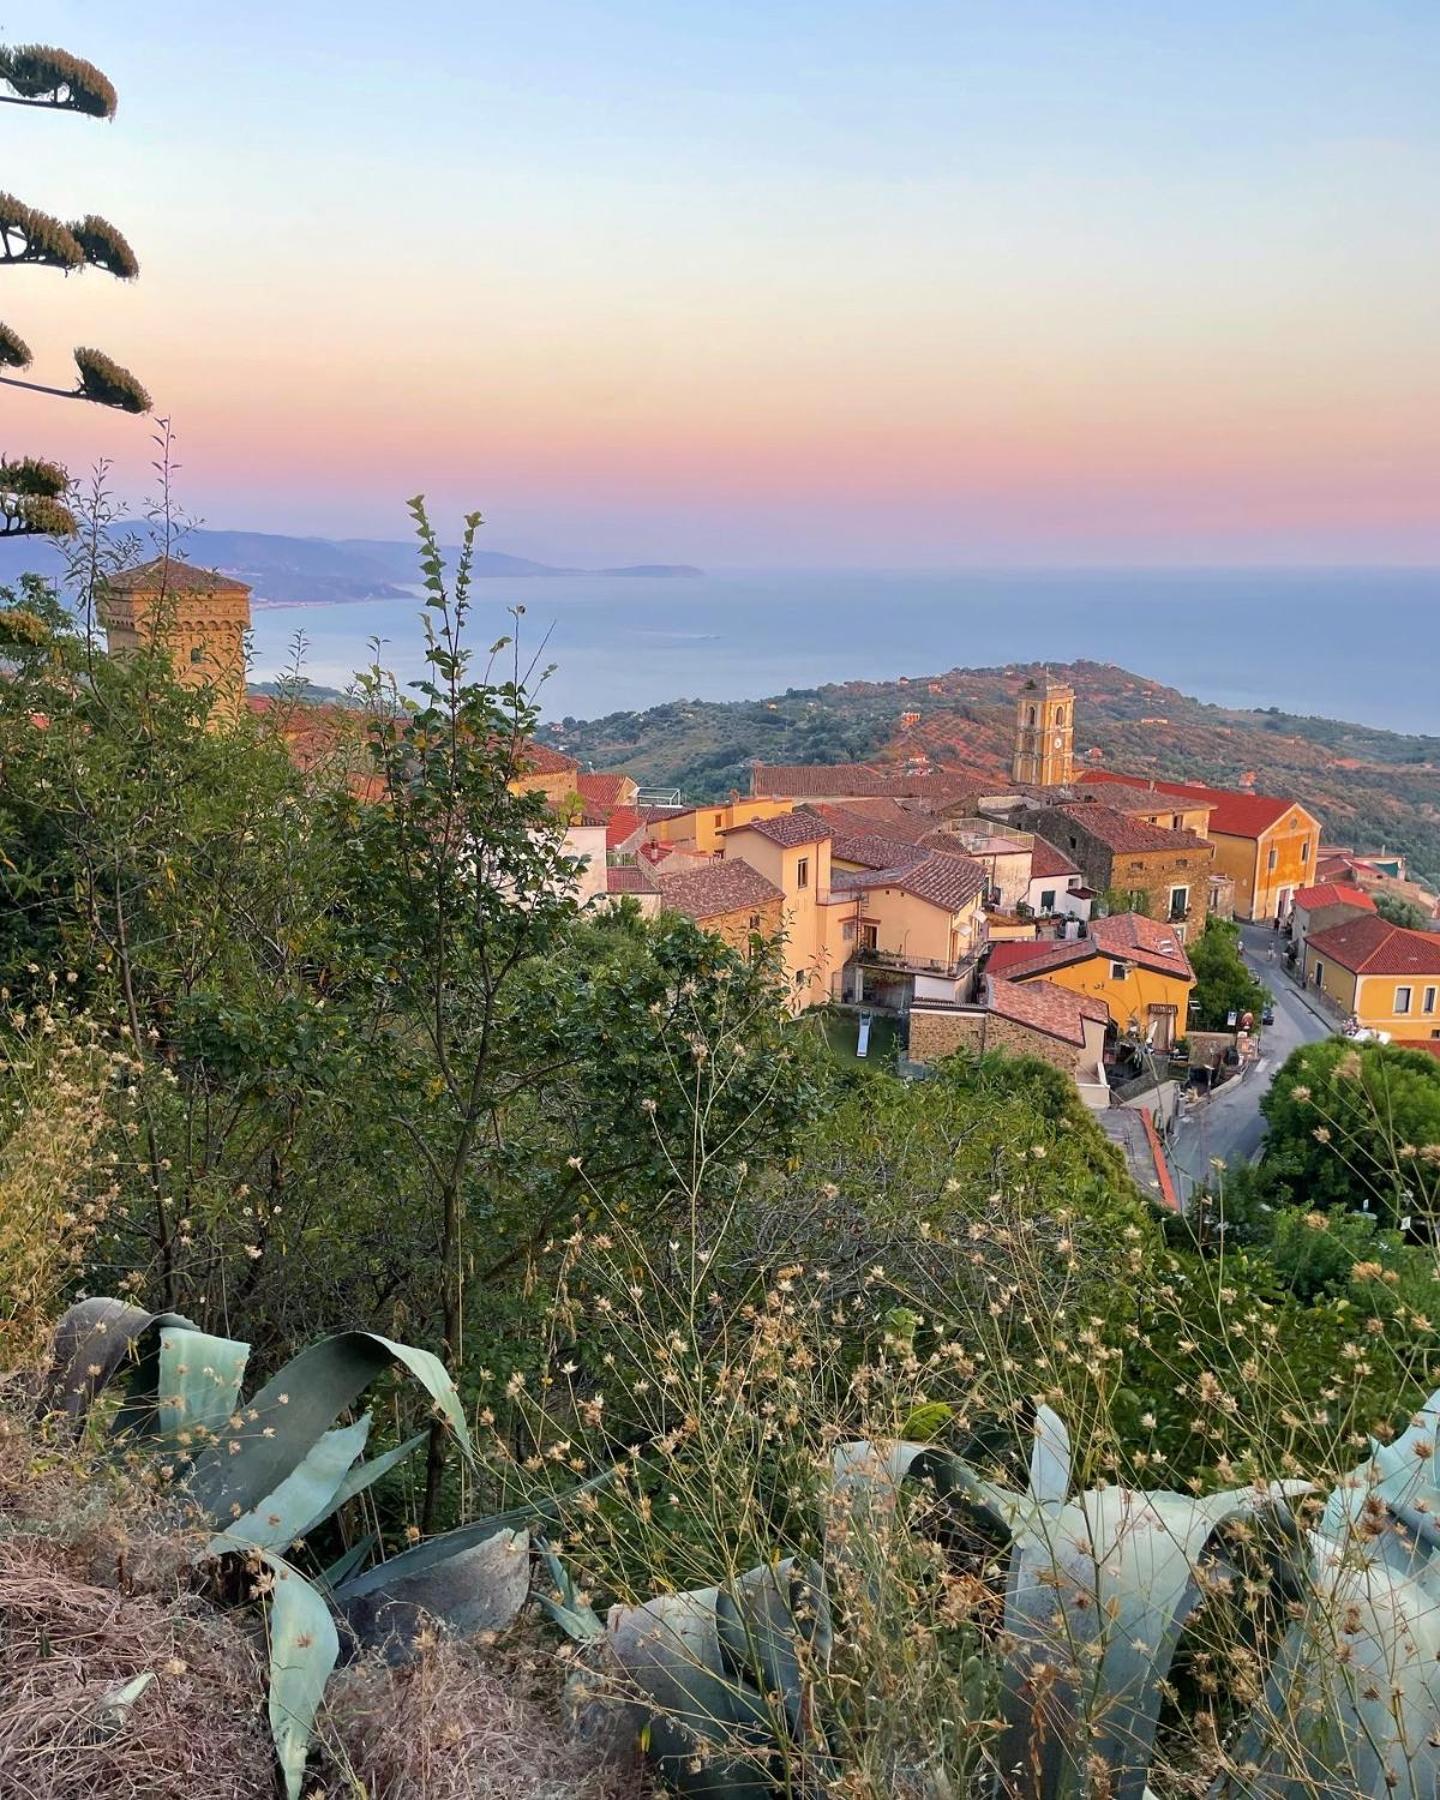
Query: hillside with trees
column 1367, row 785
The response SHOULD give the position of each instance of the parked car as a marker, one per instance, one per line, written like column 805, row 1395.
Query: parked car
column 1267, row 1017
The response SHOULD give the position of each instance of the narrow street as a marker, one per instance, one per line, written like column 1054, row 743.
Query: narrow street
column 1231, row 1126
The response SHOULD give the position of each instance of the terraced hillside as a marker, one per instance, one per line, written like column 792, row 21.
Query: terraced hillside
column 1368, row 785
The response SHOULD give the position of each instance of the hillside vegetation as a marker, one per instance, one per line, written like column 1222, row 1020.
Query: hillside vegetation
column 1366, row 784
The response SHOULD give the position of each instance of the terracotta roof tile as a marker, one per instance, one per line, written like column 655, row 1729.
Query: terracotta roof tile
column 601, row 787
column 1046, row 861
column 177, row 578
column 949, row 882
column 1234, row 812
column 627, row 879
column 539, row 759
column 1009, row 953
column 1123, row 937
column 1120, row 832
column 1045, row 1006
column 871, row 850
column 789, row 830
column 860, row 781
column 1332, row 893
column 717, row 889
column 1370, row 945
column 623, row 823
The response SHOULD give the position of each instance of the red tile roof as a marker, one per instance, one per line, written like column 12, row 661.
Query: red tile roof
column 1009, row 953
column 1046, row 860
column 860, row 781
column 789, row 830
column 1234, row 813
column 716, row 889
column 949, row 882
column 1430, row 1045
column 601, row 787
column 1123, row 937
column 1370, row 945
column 539, row 759
column 1119, row 832
column 623, row 823
column 1332, row 893
column 176, row 577
column 872, row 850
column 1045, row 1006
column 625, row 879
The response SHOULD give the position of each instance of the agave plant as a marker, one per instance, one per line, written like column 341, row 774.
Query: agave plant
column 1101, row 1587
column 264, row 1471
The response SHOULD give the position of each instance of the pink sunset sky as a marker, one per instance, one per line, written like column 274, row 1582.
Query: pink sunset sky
column 906, row 285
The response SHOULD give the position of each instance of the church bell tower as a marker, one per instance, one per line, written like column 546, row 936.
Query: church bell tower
column 1044, row 734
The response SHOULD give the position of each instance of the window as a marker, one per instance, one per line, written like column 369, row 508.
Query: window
column 1118, row 971
column 1305, row 851
column 1271, row 860
column 1030, row 716
column 754, row 921
column 719, row 821
column 1175, row 821
column 1059, row 715
column 868, row 936
column 1427, row 1004
column 197, row 653
column 1179, row 904
column 1319, row 973
column 1402, row 999
column 802, row 872
column 1047, row 900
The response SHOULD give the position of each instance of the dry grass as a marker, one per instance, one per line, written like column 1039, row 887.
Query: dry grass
column 464, row 1724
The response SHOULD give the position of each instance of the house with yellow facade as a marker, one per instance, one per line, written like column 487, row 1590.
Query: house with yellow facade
column 730, row 899
column 1270, row 847
column 1136, row 966
column 1381, row 976
column 913, row 928
column 791, row 850
column 701, row 829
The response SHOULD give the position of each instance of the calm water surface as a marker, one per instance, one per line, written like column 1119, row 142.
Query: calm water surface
column 1350, row 644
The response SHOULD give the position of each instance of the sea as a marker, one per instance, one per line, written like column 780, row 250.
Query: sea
column 1362, row 645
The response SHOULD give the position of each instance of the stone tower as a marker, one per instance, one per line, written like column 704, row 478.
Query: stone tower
column 1044, row 734
column 198, row 617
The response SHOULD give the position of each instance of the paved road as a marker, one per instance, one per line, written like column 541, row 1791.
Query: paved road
column 1231, row 1125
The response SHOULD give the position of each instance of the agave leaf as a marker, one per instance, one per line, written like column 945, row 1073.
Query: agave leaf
column 300, row 1403
column 761, row 1622
column 1364, row 1723
column 866, row 1477
column 442, row 1549
column 304, row 1647
column 346, row 1565
column 305, row 1495
column 1050, row 1459
column 115, row 1705
column 364, row 1475
column 477, row 1589
column 1099, row 1593
column 575, row 1617
column 199, row 1381
column 710, row 1731
column 93, row 1341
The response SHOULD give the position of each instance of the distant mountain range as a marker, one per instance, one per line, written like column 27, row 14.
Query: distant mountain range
column 288, row 571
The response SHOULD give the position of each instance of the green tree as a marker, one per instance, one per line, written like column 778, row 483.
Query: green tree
column 32, row 490
column 1400, row 911
column 1354, row 1126
column 1223, row 983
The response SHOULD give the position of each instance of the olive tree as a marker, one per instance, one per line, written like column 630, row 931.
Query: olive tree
column 32, row 489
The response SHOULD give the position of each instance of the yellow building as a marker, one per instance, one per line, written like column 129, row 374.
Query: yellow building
column 1268, row 846
column 791, row 850
column 1380, row 975
column 199, row 618
column 702, row 828
column 1135, row 965
column 541, row 770
column 1044, row 734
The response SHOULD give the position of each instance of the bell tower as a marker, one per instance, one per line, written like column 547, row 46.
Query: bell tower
column 199, row 618
column 1044, row 734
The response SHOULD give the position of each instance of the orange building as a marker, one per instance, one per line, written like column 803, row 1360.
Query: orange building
column 1267, row 845
column 1135, row 965
column 198, row 617
column 1382, row 976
